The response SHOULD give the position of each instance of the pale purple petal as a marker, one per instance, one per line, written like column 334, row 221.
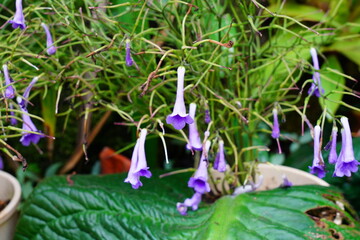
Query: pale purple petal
column 23, row 103
column 276, row 129
column 27, row 137
column 316, row 84
column 9, row 90
column 318, row 166
column 51, row 49
column 194, row 136
column 13, row 120
column 220, row 162
column 200, row 180
column 192, row 202
column 19, row 19
column 138, row 167
column 179, row 118
column 128, row 59
column 346, row 162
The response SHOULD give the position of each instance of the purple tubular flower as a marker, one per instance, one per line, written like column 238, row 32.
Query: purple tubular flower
column 1, row 163
column 199, row 181
column 194, row 137
column 9, row 91
column 207, row 116
column 333, row 154
column 346, row 162
column 286, row 182
column 128, row 59
column 276, row 129
column 138, row 167
column 192, row 202
column 179, row 117
column 28, row 125
column 13, row 120
column 19, row 19
column 316, row 84
column 318, row 167
column 51, row 49
column 220, row 162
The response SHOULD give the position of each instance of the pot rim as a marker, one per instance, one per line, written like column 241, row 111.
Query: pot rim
column 8, row 211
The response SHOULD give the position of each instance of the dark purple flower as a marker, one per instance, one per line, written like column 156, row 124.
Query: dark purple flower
column 19, row 19
column 192, row 202
column 13, row 120
column 316, row 84
column 276, row 129
column 220, row 162
column 318, row 166
column 199, row 181
column 9, row 90
column 333, row 154
column 128, row 59
column 51, row 49
column 179, row 117
column 346, row 162
column 28, row 125
column 194, row 136
column 207, row 116
column 138, row 167
column 286, row 182
column 1, row 163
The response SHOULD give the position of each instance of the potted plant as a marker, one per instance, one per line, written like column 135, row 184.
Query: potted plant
column 10, row 196
column 219, row 78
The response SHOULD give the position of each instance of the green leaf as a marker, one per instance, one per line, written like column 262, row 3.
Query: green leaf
column 331, row 82
column 103, row 207
column 350, row 48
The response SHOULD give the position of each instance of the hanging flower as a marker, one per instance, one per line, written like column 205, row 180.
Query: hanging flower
column 199, row 181
column 179, row 117
column 19, row 19
column 316, row 84
column 128, row 59
column 9, row 90
column 28, row 125
column 286, row 182
column 220, row 162
column 318, row 166
column 2, row 164
column 346, row 162
column 276, row 129
column 333, row 154
column 138, row 167
column 51, row 49
column 207, row 116
column 192, row 202
column 194, row 136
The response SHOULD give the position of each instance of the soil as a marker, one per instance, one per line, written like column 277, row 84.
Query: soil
column 3, row 204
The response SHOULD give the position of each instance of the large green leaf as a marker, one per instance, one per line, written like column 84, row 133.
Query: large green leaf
column 103, row 207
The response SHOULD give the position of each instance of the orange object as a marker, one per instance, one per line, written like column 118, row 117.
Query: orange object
column 112, row 162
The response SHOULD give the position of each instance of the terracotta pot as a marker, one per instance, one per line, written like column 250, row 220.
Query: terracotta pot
column 10, row 189
column 273, row 176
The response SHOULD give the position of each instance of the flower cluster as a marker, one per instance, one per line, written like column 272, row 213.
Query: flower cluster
column 345, row 163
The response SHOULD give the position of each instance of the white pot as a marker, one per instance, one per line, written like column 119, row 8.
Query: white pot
column 9, row 189
column 273, row 176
